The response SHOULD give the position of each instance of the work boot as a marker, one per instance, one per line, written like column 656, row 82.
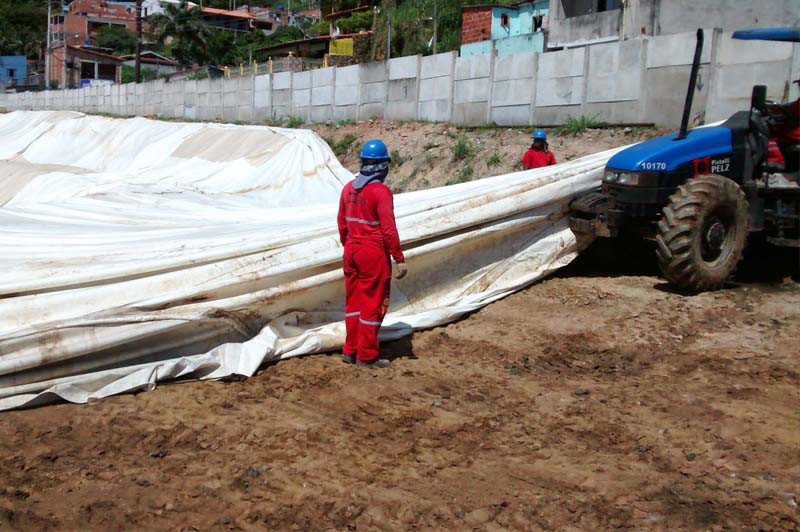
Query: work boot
column 377, row 363
column 349, row 359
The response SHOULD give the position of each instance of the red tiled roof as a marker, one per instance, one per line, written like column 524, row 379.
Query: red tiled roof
column 91, row 52
column 226, row 13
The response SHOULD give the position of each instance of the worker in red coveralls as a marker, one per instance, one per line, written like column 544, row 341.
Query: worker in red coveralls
column 539, row 153
column 368, row 233
column 785, row 130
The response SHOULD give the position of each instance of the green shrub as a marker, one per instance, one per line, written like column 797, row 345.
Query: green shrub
column 346, row 122
column 463, row 149
column 495, row 160
column 397, row 159
column 466, row 173
column 340, row 148
column 295, row 122
column 576, row 125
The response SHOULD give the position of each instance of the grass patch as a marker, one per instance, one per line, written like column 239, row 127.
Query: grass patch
column 346, row 122
column 495, row 160
column 466, row 173
column 343, row 146
column 463, row 149
column 397, row 159
column 295, row 121
column 581, row 123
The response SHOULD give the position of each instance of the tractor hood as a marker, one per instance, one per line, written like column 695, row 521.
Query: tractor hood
column 664, row 154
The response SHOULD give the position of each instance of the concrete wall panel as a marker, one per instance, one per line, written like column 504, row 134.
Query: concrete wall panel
column 437, row 65
column 322, row 95
column 474, row 66
column 472, row 90
column 615, row 71
column 515, row 67
column 435, row 89
column 474, row 113
column 513, row 115
column 678, row 49
column 321, row 114
column 372, row 72
column 370, row 110
column 345, row 112
column 346, row 95
column 562, row 64
column 301, row 97
column 301, row 80
column 322, row 77
column 348, row 75
column 663, row 99
column 282, row 80
column 403, row 67
column 373, row 92
column 434, row 111
column 513, row 92
column 559, row 91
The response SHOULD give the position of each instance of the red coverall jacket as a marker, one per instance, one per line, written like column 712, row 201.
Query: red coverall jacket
column 537, row 159
column 369, row 234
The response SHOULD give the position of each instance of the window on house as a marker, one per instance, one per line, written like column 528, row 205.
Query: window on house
column 576, row 8
column 87, row 70
column 504, row 20
column 12, row 73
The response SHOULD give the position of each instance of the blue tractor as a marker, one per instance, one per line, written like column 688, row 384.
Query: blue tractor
column 700, row 193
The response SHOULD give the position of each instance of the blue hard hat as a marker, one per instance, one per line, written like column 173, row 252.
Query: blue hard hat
column 540, row 134
column 375, row 149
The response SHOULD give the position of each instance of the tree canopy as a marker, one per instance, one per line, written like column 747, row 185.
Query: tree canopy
column 23, row 25
column 118, row 38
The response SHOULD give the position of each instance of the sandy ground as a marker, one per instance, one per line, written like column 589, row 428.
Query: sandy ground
column 423, row 152
column 597, row 399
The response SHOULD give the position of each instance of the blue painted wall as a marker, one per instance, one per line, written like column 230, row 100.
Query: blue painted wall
column 18, row 64
column 531, row 42
column 517, row 37
column 520, row 20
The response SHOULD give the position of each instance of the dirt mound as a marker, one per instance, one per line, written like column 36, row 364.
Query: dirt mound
column 585, row 402
column 428, row 155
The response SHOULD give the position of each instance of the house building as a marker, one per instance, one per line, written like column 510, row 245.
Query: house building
column 152, row 61
column 544, row 25
column 83, row 66
column 580, row 22
column 82, row 18
column 506, row 29
column 13, row 69
column 238, row 21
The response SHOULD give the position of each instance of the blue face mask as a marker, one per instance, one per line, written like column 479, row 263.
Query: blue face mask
column 371, row 171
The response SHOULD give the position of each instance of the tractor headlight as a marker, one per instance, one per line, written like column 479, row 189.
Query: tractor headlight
column 622, row 178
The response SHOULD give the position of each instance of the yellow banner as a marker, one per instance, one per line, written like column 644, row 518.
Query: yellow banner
column 341, row 47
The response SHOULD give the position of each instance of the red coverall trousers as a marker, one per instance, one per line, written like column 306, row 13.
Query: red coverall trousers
column 367, row 281
column 368, row 232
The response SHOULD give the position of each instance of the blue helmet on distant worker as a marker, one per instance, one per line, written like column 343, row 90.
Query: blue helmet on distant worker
column 539, row 134
column 376, row 150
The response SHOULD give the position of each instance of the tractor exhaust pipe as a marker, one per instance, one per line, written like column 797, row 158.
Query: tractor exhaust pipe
column 687, row 107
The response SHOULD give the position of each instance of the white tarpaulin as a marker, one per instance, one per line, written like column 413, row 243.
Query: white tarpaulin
column 136, row 251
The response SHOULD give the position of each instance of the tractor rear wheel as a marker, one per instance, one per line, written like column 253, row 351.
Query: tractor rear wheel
column 702, row 233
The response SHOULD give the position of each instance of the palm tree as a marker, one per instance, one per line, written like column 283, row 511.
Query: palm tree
column 185, row 28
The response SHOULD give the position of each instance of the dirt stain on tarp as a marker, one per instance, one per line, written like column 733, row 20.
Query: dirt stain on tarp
column 217, row 144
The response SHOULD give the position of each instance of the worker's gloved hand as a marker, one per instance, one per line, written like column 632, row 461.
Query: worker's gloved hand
column 401, row 270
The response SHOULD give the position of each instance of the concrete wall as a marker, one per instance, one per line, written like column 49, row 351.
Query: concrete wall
column 634, row 81
column 667, row 17
column 472, row 89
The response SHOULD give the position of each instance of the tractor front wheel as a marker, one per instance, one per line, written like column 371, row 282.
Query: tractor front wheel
column 702, row 233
